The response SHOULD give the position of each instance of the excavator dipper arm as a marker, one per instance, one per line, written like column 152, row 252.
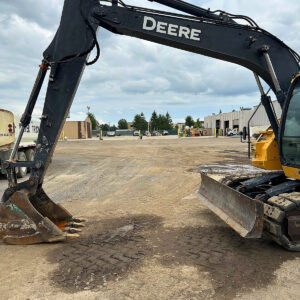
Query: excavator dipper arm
column 27, row 215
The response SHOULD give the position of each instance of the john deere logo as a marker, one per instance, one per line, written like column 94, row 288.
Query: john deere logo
column 151, row 24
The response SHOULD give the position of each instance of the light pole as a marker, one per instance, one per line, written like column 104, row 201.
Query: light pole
column 85, row 126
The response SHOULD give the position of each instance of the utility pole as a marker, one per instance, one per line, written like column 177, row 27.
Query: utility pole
column 85, row 126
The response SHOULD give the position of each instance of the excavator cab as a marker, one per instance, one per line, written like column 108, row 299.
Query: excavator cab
column 290, row 132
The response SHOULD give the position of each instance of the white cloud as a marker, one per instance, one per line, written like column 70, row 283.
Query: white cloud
column 178, row 120
column 101, row 122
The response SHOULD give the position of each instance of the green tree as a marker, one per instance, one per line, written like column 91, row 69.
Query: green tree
column 162, row 122
column 122, row 124
column 189, row 121
column 169, row 121
column 139, row 122
column 153, row 121
column 95, row 123
column 104, row 127
column 198, row 123
column 113, row 128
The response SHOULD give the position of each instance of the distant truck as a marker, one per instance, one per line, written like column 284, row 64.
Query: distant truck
column 9, row 129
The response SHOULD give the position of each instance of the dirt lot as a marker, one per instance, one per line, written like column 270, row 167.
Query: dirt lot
column 148, row 236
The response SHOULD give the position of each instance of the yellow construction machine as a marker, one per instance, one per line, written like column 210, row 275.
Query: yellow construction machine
column 268, row 203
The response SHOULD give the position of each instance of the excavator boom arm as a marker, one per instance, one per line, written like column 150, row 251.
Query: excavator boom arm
column 232, row 42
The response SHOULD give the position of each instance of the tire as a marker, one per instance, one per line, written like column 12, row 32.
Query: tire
column 21, row 172
column 30, row 156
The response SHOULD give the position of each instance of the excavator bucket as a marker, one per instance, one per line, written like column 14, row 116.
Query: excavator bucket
column 31, row 219
column 240, row 212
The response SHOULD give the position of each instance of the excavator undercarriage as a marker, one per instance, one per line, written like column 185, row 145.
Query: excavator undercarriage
column 253, row 206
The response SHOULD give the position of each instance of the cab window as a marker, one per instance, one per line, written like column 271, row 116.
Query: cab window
column 291, row 136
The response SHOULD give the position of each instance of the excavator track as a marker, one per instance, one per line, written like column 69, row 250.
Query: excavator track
column 281, row 212
column 282, row 220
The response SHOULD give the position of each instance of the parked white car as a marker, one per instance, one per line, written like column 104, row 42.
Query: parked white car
column 111, row 133
column 232, row 132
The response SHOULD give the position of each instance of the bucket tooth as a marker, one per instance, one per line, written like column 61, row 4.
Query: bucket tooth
column 79, row 220
column 240, row 212
column 72, row 230
column 75, row 225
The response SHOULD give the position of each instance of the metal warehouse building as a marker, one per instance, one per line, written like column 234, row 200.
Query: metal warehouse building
column 239, row 119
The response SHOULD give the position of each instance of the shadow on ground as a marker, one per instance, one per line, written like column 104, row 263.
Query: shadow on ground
column 118, row 246
column 108, row 253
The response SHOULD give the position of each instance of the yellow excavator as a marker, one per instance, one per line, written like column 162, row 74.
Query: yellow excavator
column 251, row 205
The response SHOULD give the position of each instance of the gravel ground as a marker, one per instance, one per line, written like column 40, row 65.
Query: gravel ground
column 148, row 236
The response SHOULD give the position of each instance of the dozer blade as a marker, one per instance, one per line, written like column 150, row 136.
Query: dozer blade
column 243, row 214
column 26, row 219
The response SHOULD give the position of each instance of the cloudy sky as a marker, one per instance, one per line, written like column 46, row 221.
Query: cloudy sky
column 132, row 75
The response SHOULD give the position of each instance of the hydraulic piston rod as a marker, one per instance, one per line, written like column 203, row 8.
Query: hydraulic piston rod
column 26, row 117
column 189, row 9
